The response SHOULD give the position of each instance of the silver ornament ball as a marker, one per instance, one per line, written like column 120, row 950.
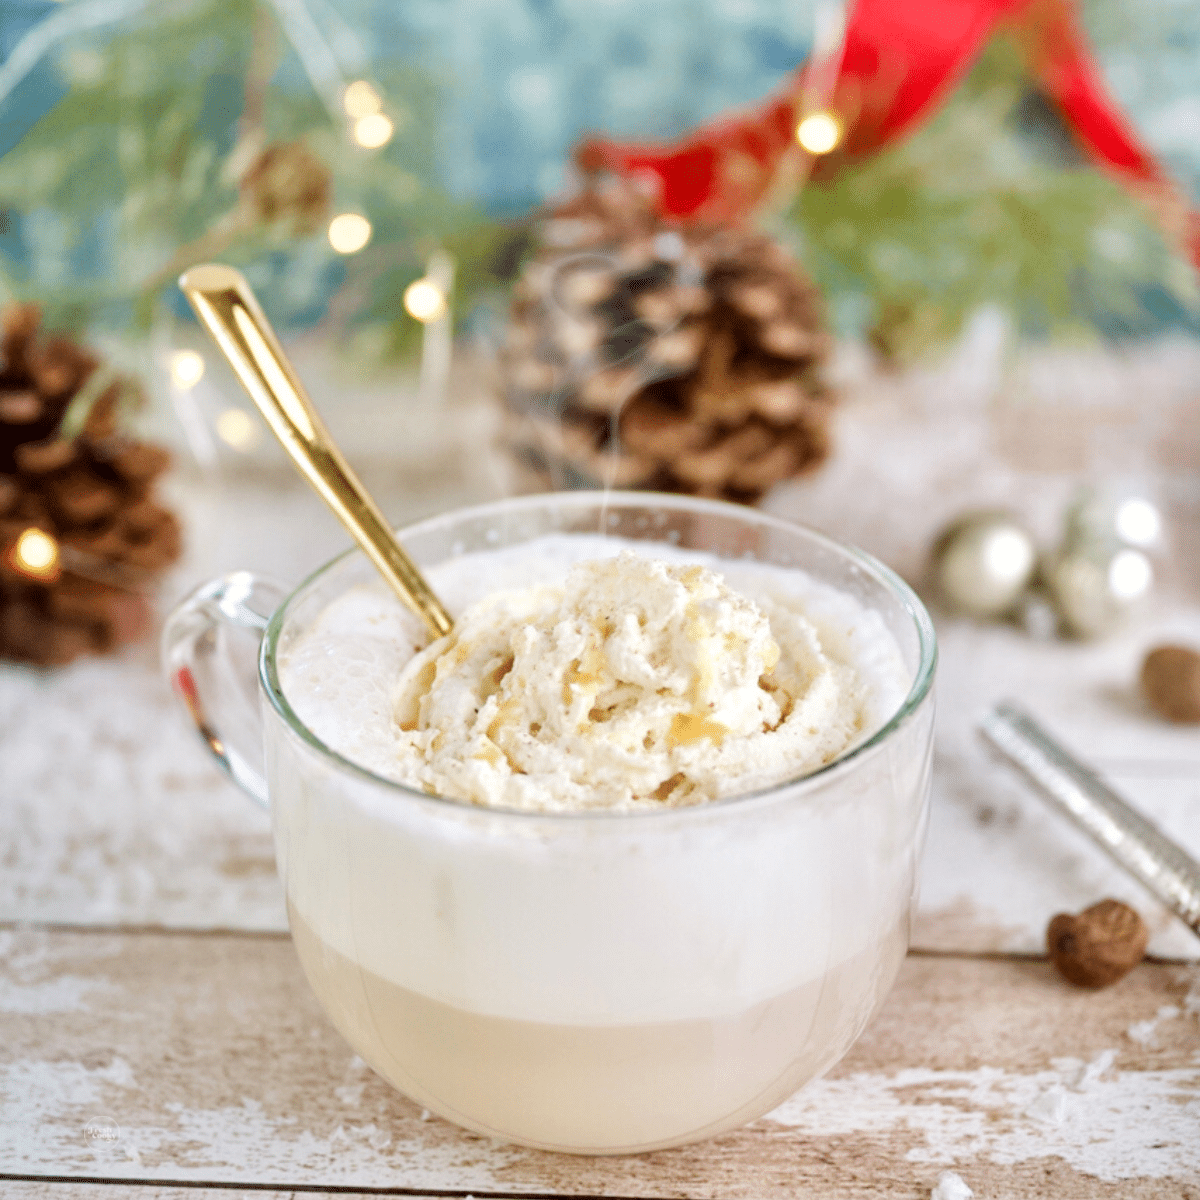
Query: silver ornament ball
column 984, row 562
column 1096, row 589
column 1113, row 517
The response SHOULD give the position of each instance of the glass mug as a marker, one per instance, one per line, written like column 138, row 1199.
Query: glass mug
column 600, row 982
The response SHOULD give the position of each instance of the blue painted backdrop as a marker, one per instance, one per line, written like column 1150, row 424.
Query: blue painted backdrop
column 520, row 80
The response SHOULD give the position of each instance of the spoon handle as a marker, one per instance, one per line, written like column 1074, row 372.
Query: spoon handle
column 227, row 308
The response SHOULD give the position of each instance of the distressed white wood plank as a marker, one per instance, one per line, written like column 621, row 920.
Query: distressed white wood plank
column 204, row 1058
column 913, row 450
column 21, row 1189
column 918, row 450
column 111, row 814
column 110, row 810
column 999, row 862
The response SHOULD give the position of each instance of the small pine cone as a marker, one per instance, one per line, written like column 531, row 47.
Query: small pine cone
column 684, row 360
column 89, row 499
column 288, row 182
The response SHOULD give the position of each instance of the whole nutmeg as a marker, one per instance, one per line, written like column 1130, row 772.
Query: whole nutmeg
column 1098, row 946
column 1171, row 683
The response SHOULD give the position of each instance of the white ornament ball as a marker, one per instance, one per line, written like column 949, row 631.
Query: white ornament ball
column 984, row 562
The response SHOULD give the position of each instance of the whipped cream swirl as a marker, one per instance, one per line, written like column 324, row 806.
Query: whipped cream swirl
column 636, row 683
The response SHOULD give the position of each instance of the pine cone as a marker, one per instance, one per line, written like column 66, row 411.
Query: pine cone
column 83, row 503
column 638, row 355
column 288, row 182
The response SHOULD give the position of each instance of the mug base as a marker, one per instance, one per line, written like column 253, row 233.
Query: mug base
column 598, row 1089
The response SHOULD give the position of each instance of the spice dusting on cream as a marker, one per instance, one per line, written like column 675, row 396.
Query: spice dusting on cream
column 621, row 682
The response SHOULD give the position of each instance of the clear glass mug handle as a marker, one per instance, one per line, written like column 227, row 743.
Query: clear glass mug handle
column 210, row 653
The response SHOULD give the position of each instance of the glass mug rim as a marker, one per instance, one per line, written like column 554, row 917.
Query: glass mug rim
column 796, row 789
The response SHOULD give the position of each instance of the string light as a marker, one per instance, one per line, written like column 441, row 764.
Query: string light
column 35, row 553
column 819, row 132
column 237, row 428
column 187, row 369
column 349, row 232
column 360, row 99
column 425, row 301
column 373, row 130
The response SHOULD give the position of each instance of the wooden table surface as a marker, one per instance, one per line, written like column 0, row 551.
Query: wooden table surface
column 158, row 1039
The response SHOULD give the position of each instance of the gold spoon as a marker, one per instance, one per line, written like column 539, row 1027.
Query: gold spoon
column 227, row 308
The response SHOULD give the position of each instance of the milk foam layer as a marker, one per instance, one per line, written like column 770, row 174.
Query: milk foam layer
column 606, row 678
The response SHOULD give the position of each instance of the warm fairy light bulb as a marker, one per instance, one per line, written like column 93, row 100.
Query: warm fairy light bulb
column 373, row 130
column 36, row 553
column 425, row 301
column 349, row 232
column 187, row 369
column 360, row 99
column 237, row 428
column 819, row 133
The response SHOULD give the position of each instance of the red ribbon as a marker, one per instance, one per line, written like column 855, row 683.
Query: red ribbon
column 899, row 60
